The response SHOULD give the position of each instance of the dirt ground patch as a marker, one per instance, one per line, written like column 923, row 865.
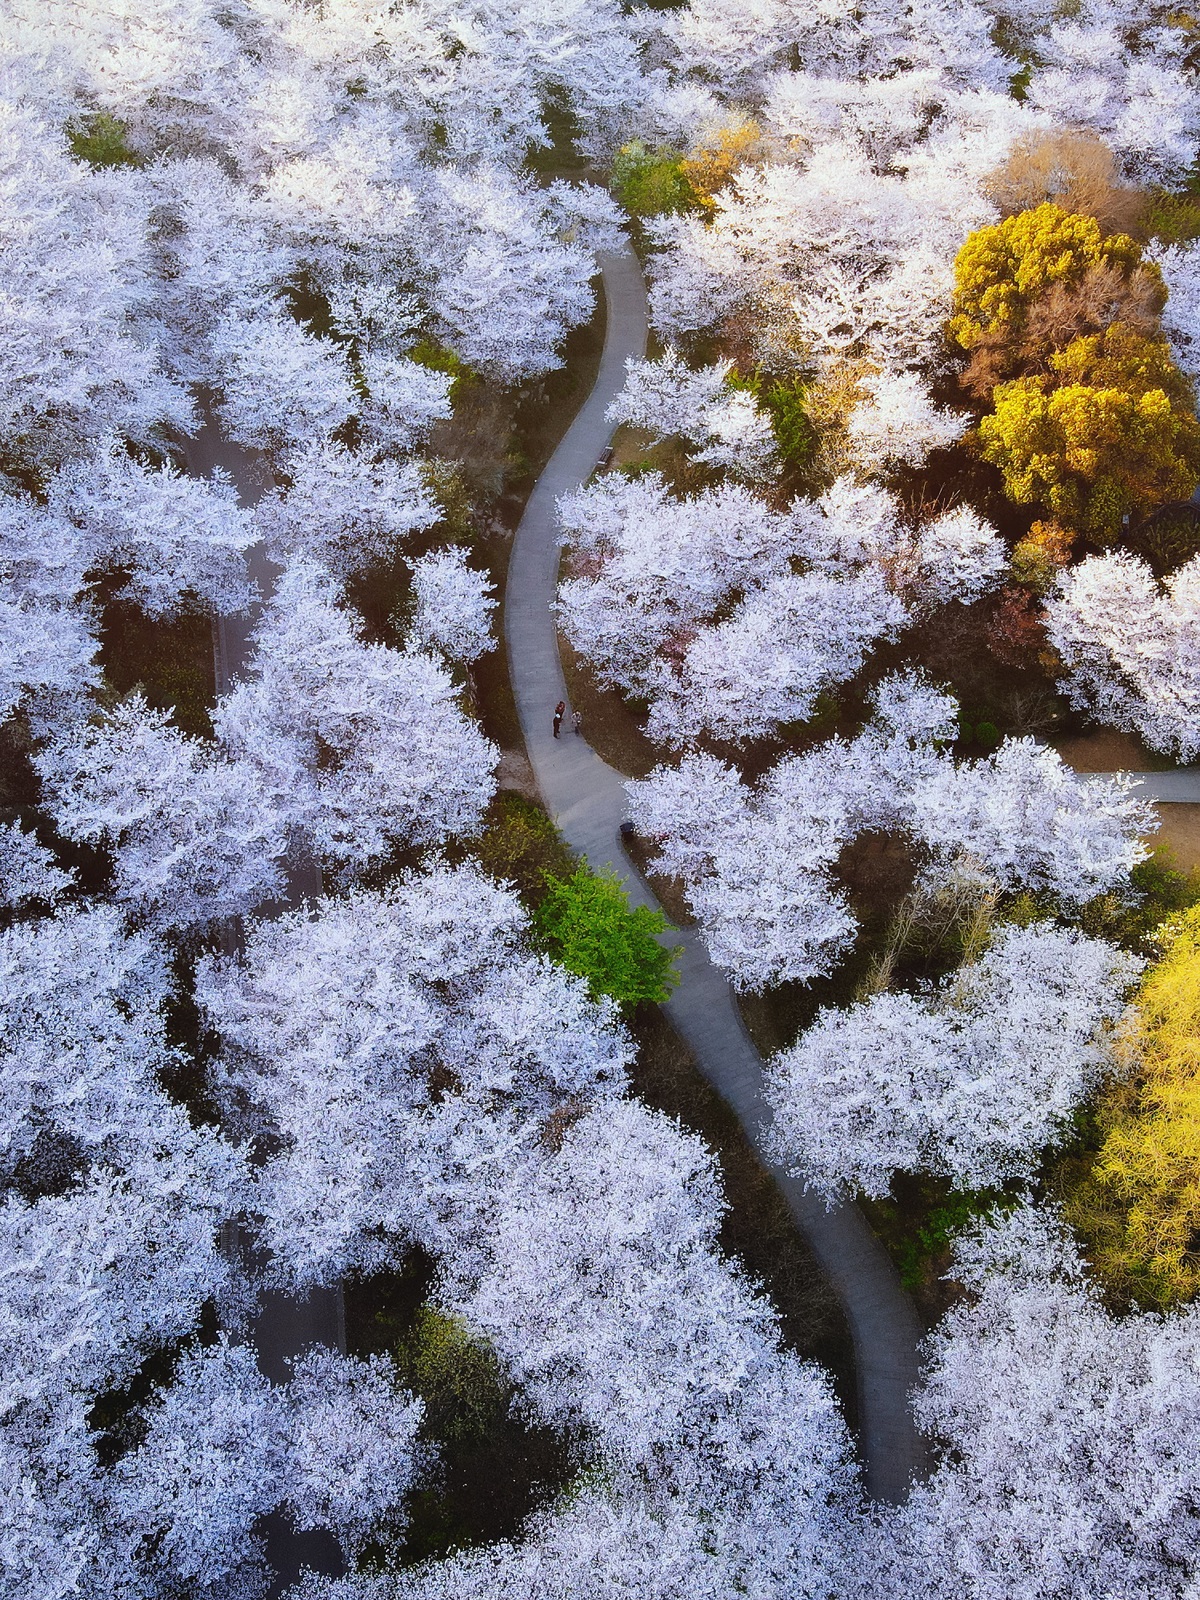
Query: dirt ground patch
column 1106, row 750
column 1179, row 832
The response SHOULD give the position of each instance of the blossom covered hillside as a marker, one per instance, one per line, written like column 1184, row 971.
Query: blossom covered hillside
column 578, row 1032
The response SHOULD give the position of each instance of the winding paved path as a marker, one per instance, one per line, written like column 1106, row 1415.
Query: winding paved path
column 587, row 799
column 285, row 1325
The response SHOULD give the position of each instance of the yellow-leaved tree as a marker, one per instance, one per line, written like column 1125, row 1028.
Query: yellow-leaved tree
column 1001, row 270
column 1111, row 431
column 1139, row 1208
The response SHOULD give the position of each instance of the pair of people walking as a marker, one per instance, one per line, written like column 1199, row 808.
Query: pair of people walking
column 560, row 712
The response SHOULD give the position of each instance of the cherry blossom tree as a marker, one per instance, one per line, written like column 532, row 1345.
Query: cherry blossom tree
column 404, row 400
column 72, row 248
column 343, row 510
column 668, row 398
column 1066, row 1437
column 453, row 606
column 194, row 835
column 507, row 290
column 757, row 864
column 209, row 1467
column 971, row 1080
column 358, row 745
column 28, row 871
column 957, row 556
column 787, row 642
column 100, row 1166
column 382, row 1039
column 281, row 386
column 47, row 643
column 353, row 1451
column 1129, row 647
column 1180, row 267
column 899, row 424
column 176, row 536
column 112, row 1202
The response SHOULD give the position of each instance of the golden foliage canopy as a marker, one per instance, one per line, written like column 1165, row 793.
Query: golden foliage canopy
column 1140, row 1209
column 1110, row 432
column 1000, row 270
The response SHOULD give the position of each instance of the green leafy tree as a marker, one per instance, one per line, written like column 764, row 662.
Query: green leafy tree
column 1110, row 432
column 590, row 927
column 652, row 183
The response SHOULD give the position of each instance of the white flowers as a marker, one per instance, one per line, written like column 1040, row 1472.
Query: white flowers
column 757, row 863
column 1132, row 647
column 970, row 1080
column 898, row 422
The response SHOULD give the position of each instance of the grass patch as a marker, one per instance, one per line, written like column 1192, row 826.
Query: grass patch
column 169, row 658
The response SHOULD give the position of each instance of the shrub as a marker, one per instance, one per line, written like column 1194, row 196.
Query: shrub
column 100, row 141
column 1041, row 555
column 1168, row 540
column 712, row 164
column 521, row 844
column 1139, row 1208
column 1174, row 218
column 428, row 353
column 1072, row 169
column 455, row 1373
column 651, row 183
column 785, row 400
column 589, row 926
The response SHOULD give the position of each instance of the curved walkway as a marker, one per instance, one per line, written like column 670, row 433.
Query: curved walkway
column 587, row 799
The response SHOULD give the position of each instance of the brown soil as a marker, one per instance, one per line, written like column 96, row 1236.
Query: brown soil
column 668, row 890
column 1179, row 831
column 477, row 438
column 1106, row 750
column 608, row 723
column 515, row 774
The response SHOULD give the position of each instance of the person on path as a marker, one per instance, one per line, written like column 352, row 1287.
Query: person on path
column 559, row 711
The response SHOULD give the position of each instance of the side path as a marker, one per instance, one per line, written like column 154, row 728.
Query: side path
column 1181, row 787
column 587, row 799
column 285, row 1325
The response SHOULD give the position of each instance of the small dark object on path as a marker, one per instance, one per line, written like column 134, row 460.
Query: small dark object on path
column 627, row 830
column 558, row 716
